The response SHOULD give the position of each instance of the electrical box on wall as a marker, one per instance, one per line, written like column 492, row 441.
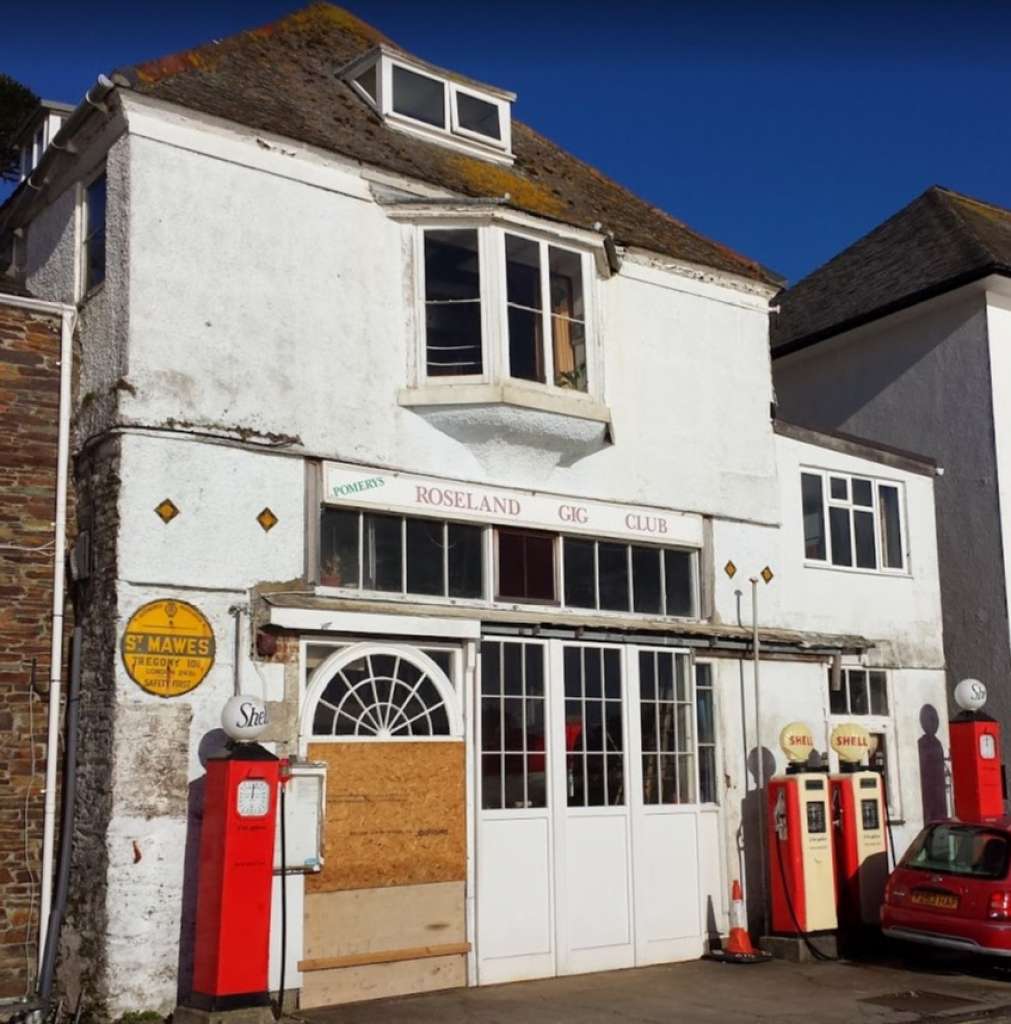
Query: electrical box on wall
column 304, row 806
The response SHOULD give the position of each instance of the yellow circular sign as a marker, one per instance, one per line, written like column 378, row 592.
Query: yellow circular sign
column 168, row 648
column 796, row 742
column 851, row 742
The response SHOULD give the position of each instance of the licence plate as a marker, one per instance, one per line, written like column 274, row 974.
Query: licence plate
column 935, row 899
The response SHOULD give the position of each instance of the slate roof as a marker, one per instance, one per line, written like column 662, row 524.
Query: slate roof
column 940, row 241
column 282, row 78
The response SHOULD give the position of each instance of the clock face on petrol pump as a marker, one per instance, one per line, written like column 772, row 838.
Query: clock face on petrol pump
column 252, row 798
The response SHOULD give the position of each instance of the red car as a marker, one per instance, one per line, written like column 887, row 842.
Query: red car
column 952, row 890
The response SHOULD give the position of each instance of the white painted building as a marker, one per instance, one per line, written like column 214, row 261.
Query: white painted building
column 480, row 575
column 904, row 338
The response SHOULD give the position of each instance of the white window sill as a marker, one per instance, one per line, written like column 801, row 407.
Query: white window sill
column 560, row 401
column 888, row 574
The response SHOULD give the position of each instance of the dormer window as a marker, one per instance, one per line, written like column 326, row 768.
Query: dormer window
column 418, row 98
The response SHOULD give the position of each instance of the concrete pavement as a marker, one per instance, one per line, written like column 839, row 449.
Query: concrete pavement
column 923, row 989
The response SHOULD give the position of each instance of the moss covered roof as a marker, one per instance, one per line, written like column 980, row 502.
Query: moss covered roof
column 282, row 78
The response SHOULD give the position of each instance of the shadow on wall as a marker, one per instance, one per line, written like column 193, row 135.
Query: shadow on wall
column 933, row 789
column 751, row 835
column 213, row 743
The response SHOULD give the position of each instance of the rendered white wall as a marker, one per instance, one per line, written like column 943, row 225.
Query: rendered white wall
column 903, row 613
column 255, row 305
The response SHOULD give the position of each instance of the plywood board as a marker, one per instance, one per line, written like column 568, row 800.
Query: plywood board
column 374, row 981
column 395, row 814
column 353, row 921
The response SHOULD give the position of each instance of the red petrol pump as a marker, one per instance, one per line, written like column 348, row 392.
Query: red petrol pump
column 231, row 953
column 859, row 829
column 976, row 767
column 801, row 869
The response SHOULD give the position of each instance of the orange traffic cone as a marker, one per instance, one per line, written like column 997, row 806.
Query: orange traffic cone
column 739, row 943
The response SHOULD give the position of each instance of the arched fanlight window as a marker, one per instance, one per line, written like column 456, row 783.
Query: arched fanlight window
column 380, row 692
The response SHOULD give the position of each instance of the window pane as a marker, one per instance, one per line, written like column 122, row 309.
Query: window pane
column 491, row 680
column 453, row 303
column 534, row 670
column 567, row 329
column 477, row 115
column 679, row 583
column 646, row 579
column 95, row 218
column 879, row 693
column 367, row 80
column 612, row 561
column 338, row 548
column 863, row 527
column 452, row 269
column 526, row 352
column 837, row 698
column 580, row 591
column 704, row 708
column 512, row 669
column 707, row 775
column 839, row 488
column 891, row 528
column 814, row 516
column 569, row 340
column 526, row 324
column 491, row 781
column 466, row 561
column 491, row 724
column 383, row 557
column 526, row 565
column 425, row 557
column 566, row 275
column 515, row 790
column 863, row 492
column 858, row 692
column 839, row 528
column 523, row 272
column 453, row 339
column 419, row 96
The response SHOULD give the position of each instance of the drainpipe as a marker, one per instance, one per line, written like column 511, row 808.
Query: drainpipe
column 756, row 650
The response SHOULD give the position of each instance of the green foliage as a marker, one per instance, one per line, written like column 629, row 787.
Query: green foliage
column 16, row 102
column 141, row 1017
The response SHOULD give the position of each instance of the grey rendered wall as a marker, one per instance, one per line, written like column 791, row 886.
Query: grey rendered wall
column 923, row 383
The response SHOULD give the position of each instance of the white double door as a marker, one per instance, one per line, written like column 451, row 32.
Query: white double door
column 590, row 842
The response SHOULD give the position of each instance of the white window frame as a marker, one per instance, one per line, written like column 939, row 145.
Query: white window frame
column 875, row 509
column 504, row 118
column 490, row 574
column 83, row 290
column 713, row 666
column 495, row 309
column 451, row 133
column 320, row 676
column 884, row 724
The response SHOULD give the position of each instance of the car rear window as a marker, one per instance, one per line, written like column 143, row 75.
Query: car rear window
column 970, row 850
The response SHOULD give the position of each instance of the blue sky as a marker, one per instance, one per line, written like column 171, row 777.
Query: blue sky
column 785, row 130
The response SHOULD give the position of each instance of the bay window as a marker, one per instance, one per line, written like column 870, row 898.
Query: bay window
column 529, row 294
column 852, row 521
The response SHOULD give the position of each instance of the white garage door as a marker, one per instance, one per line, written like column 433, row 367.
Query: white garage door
column 591, row 832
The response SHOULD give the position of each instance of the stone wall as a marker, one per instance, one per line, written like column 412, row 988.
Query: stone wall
column 29, row 407
column 82, row 958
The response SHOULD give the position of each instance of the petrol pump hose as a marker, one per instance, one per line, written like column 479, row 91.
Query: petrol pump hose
column 817, row 953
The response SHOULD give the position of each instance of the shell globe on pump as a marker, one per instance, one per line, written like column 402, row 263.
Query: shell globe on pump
column 801, row 867
column 977, row 767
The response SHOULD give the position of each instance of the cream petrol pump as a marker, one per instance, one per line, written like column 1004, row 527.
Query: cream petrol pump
column 801, row 869
column 859, row 823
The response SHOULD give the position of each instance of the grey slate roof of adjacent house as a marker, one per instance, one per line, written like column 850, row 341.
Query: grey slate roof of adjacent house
column 283, row 79
column 940, row 241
